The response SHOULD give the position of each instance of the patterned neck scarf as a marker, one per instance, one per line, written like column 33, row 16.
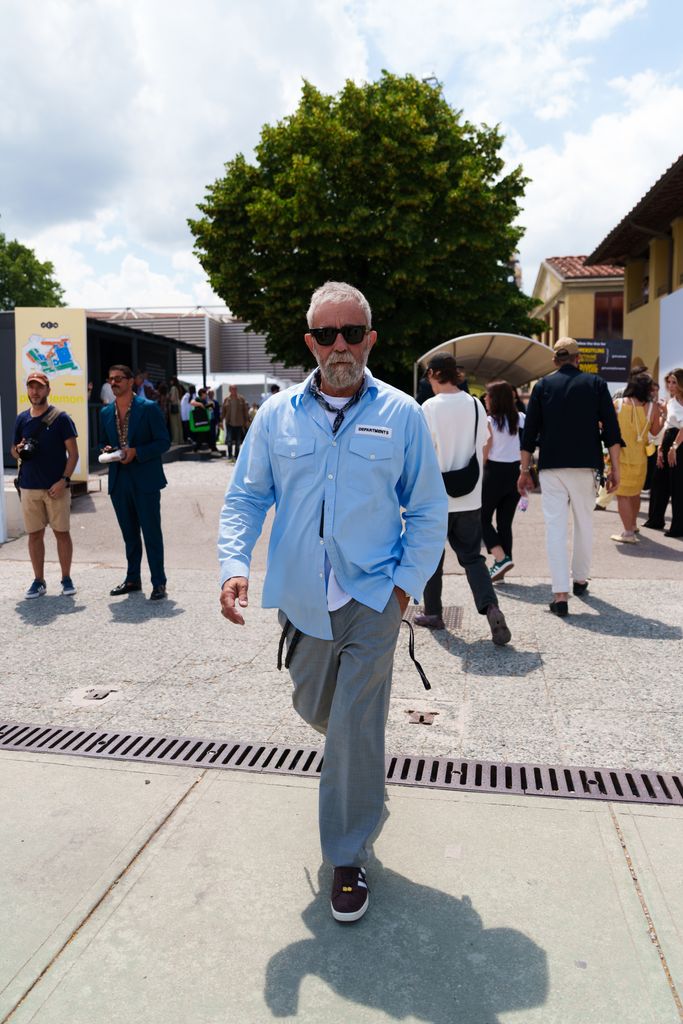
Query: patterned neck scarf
column 321, row 400
column 122, row 427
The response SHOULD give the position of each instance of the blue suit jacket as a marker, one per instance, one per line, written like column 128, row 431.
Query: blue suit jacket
column 147, row 433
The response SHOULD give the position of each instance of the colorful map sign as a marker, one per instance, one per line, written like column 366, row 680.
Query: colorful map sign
column 54, row 341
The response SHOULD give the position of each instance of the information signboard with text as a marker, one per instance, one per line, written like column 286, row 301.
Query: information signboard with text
column 611, row 359
column 54, row 341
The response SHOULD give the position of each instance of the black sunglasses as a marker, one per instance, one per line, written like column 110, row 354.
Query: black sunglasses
column 353, row 334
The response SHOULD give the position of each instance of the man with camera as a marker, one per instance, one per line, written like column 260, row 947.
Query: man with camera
column 47, row 451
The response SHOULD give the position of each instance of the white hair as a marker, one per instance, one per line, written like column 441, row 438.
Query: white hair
column 338, row 291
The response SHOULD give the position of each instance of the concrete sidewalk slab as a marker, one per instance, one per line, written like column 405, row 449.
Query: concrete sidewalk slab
column 483, row 910
column 68, row 831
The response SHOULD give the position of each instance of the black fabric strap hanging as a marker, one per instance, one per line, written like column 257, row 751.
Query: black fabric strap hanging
column 411, row 651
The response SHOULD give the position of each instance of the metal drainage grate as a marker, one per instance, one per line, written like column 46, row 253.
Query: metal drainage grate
column 455, row 774
column 451, row 615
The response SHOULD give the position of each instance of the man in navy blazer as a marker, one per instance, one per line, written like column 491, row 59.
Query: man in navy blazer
column 136, row 427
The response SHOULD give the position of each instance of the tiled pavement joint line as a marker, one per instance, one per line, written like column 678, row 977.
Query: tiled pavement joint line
column 124, row 871
column 652, row 931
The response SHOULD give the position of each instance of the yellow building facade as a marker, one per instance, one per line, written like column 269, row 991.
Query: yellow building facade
column 578, row 299
column 648, row 244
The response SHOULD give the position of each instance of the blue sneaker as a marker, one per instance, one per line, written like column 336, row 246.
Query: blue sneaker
column 37, row 589
column 67, row 586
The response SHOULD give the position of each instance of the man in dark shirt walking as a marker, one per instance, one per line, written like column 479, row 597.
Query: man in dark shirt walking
column 565, row 415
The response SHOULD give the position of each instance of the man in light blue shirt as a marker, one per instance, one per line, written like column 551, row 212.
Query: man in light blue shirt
column 341, row 456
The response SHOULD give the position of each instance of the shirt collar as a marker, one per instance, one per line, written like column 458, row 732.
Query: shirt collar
column 370, row 385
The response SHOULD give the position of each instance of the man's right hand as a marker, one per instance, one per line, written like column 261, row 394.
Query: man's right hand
column 525, row 482
column 612, row 481
column 234, row 590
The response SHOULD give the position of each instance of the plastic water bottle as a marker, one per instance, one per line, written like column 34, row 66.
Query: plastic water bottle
column 523, row 503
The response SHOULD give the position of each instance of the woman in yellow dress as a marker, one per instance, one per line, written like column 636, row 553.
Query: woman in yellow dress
column 638, row 416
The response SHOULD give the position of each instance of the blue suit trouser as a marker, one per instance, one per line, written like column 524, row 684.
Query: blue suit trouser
column 139, row 512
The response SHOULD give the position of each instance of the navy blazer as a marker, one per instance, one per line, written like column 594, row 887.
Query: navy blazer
column 148, row 434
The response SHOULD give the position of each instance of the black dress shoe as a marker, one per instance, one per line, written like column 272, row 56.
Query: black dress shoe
column 560, row 608
column 668, row 533
column 579, row 588
column 127, row 587
column 653, row 526
column 158, row 594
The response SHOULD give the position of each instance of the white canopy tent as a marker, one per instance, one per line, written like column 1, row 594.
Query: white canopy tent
column 485, row 357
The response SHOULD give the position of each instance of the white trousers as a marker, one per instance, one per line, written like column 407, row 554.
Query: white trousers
column 560, row 489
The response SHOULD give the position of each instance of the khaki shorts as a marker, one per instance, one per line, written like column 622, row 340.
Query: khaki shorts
column 39, row 509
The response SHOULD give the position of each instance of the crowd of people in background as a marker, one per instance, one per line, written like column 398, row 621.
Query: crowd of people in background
column 194, row 415
column 639, row 439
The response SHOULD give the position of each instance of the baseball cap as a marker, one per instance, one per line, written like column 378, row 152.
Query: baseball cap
column 442, row 361
column 42, row 378
column 567, row 345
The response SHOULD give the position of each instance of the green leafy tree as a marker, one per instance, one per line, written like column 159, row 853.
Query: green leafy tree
column 24, row 280
column 384, row 186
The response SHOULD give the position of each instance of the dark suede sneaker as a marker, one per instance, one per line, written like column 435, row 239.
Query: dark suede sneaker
column 350, row 894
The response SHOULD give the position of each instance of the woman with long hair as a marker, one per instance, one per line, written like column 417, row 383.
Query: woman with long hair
column 668, row 478
column 638, row 416
column 501, row 470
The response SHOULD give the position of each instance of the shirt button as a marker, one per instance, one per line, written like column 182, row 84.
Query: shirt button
column 293, row 455
column 330, row 476
column 372, row 456
column 321, row 575
column 322, row 541
column 334, row 444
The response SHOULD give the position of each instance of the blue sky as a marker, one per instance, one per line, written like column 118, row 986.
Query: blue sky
column 118, row 113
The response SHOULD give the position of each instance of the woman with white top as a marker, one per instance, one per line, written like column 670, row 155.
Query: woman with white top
column 668, row 479
column 501, row 471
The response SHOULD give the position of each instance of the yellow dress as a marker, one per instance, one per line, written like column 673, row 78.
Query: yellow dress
column 633, row 423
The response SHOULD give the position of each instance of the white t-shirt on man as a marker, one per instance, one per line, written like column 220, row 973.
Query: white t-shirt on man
column 450, row 418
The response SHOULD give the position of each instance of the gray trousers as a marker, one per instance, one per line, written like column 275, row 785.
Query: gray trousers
column 342, row 688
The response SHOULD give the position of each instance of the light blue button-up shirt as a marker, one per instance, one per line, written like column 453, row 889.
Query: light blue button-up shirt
column 340, row 494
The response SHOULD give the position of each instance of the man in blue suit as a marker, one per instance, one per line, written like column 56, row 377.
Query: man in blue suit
column 136, row 427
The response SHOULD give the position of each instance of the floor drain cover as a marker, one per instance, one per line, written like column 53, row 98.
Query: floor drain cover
column 452, row 616
column 451, row 773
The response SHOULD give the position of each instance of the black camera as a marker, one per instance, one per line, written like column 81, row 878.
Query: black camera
column 30, row 449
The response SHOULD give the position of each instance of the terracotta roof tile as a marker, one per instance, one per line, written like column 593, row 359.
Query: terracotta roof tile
column 576, row 266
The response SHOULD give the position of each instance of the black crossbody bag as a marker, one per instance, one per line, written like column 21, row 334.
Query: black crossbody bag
column 459, row 482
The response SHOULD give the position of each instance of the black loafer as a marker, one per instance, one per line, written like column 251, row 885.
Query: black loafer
column 560, row 608
column 579, row 588
column 158, row 594
column 127, row 587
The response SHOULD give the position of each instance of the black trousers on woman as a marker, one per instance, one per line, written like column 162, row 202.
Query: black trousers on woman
column 667, row 484
column 499, row 495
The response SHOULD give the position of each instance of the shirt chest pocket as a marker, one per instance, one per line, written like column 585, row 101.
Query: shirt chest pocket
column 295, row 460
column 370, row 464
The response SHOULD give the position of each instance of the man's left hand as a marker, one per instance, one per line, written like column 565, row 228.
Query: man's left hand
column 402, row 599
column 57, row 489
column 128, row 455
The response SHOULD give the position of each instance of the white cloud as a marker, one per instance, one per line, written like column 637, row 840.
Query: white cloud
column 583, row 188
column 604, row 17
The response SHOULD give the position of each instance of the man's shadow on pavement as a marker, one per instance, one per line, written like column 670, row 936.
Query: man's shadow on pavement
column 483, row 658
column 44, row 610
column 419, row 953
column 610, row 620
column 138, row 608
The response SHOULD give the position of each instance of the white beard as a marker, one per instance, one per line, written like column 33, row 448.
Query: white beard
column 345, row 371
